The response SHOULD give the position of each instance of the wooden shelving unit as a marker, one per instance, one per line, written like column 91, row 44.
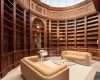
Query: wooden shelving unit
column 8, row 26
column 37, row 35
column 18, row 37
column 27, row 33
column 0, row 38
column 62, row 34
column 80, row 32
column 8, row 37
column 54, row 39
column 19, row 54
column 19, row 28
column 92, row 31
column 48, row 34
column 42, row 36
column 70, row 33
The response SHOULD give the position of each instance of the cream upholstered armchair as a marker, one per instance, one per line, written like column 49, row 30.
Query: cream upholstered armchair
column 31, row 69
column 83, row 58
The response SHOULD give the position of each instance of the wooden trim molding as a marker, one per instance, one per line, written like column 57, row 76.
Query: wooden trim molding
column 97, row 5
column 84, row 8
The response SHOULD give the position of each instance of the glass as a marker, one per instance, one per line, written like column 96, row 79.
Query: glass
column 63, row 61
column 78, row 1
column 61, row 3
column 70, row 2
column 42, row 54
column 54, row 3
column 52, row 53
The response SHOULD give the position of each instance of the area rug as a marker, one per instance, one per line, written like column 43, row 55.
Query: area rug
column 76, row 72
column 97, row 76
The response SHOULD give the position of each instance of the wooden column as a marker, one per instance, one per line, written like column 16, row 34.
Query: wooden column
column 2, row 34
column 45, row 34
column 75, row 34
column 2, row 25
column 85, row 33
column 14, row 24
column 25, row 32
column 57, row 53
column 57, row 34
column 97, row 5
column 31, row 21
column 50, row 32
column 99, row 30
column 66, row 34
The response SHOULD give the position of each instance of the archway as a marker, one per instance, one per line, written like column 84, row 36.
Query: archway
column 38, row 33
column 38, row 23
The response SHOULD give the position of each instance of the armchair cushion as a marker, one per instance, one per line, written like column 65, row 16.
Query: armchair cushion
column 44, row 69
column 82, row 58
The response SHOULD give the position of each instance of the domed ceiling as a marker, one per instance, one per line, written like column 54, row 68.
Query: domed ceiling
column 61, row 3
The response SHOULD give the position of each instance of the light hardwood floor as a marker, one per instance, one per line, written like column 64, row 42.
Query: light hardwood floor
column 93, row 71
column 15, row 74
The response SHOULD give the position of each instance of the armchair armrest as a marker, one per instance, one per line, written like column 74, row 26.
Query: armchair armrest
column 88, row 58
column 64, row 53
column 33, row 58
column 48, row 71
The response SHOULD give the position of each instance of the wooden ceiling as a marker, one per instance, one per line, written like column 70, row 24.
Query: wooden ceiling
column 97, row 5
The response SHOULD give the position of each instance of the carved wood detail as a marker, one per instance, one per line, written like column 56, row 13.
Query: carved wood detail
column 77, row 10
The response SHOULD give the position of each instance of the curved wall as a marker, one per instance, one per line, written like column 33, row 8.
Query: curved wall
column 45, row 11
column 22, row 30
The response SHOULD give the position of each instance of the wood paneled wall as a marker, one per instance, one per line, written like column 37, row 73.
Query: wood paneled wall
column 39, row 8
column 14, row 34
column 16, row 30
column 97, row 5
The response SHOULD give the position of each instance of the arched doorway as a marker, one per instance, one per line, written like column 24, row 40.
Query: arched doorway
column 38, row 34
